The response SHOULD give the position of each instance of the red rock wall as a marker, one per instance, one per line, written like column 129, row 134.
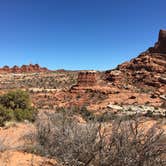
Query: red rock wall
column 86, row 78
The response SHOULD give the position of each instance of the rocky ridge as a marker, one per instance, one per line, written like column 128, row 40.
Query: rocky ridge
column 23, row 69
column 147, row 71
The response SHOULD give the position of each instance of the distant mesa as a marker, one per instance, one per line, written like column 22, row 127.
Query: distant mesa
column 31, row 68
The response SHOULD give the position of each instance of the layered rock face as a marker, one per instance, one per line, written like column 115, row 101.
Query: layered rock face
column 23, row 69
column 148, row 69
column 86, row 78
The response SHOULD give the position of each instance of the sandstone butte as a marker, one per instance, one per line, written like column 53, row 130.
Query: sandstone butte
column 87, row 78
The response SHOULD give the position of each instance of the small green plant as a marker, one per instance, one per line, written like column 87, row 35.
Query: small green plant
column 26, row 114
column 5, row 115
column 16, row 106
column 16, row 99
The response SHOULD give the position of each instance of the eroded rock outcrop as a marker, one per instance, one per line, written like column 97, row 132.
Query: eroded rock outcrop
column 86, row 78
column 23, row 69
column 160, row 46
column 147, row 70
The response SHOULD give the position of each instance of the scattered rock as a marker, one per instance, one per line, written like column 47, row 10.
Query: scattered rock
column 116, row 107
column 163, row 97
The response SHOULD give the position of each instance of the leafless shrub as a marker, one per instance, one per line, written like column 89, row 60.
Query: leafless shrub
column 61, row 137
column 127, row 143
column 132, row 144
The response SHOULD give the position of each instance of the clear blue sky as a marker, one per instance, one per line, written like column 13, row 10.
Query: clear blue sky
column 78, row 34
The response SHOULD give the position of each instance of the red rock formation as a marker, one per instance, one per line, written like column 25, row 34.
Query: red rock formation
column 86, row 78
column 148, row 69
column 6, row 68
column 160, row 46
column 15, row 69
column 23, row 69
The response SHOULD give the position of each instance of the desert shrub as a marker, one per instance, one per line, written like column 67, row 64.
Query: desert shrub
column 127, row 142
column 134, row 144
column 5, row 115
column 60, row 136
column 26, row 114
column 16, row 105
column 16, row 100
column 105, row 117
column 86, row 114
column 76, row 110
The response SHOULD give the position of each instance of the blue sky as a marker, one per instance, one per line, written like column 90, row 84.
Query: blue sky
column 78, row 34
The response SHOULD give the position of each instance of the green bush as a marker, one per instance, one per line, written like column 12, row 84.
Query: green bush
column 26, row 114
column 16, row 100
column 16, row 105
column 5, row 115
